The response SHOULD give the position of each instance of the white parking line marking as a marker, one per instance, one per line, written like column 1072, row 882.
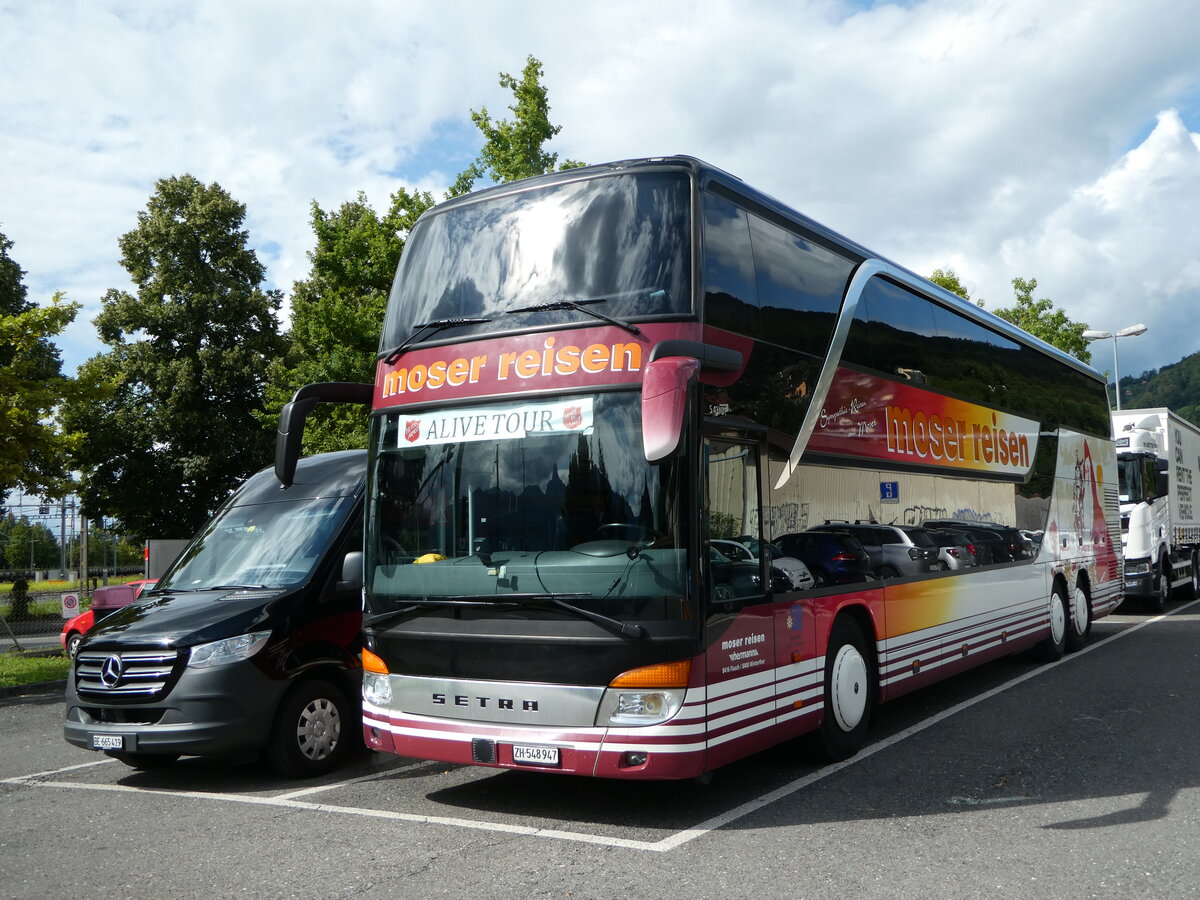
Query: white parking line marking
column 672, row 842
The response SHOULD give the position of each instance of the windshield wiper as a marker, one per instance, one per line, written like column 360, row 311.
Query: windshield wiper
column 390, row 356
column 578, row 306
column 556, row 600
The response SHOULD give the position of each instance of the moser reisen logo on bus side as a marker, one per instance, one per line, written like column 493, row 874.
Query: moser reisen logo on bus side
column 869, row 417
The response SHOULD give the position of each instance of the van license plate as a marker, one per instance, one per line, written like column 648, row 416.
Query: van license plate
column 108, row 742
column 525, row 755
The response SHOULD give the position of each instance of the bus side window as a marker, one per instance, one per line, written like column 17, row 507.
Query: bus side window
column 732, row 521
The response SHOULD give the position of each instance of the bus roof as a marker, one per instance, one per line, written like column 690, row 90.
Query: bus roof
column 706, row 174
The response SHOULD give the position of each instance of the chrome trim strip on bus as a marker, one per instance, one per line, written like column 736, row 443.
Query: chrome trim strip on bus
column 841, row 331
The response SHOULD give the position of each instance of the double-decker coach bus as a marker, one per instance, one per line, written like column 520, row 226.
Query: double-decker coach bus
column 591, row 384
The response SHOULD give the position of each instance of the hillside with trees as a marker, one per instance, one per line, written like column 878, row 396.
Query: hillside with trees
column 1176, row 386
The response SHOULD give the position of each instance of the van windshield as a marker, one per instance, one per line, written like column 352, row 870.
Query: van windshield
column 261, row 545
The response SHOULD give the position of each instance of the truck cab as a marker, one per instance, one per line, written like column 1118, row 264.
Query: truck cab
column 1155, row 459
column 248, row 643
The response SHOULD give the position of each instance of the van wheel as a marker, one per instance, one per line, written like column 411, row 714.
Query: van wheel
column 1080, row 621
column 307, row 739
column 849, row 690
column 144, row 761
column 73, row 642
column 1055, row 643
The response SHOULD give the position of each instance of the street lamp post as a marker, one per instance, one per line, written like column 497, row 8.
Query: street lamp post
column 1104, row 335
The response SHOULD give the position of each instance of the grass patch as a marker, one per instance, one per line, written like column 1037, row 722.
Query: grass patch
column 16, row 669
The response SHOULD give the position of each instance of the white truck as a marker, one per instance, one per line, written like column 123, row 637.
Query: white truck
column 1158, row 456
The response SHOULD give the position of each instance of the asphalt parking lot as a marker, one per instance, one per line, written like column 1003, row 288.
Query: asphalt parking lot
column 1077, row 779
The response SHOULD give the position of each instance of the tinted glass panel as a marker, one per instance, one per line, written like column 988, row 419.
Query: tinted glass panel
column 800, row 287
column 621, row 238
column 730, row 292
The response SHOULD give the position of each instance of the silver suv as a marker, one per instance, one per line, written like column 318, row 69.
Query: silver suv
column 896, row 551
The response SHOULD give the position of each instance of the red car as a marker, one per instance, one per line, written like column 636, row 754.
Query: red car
column 104, row 601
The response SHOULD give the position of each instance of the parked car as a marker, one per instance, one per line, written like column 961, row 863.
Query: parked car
column 954, row 549
column 249, row 642
column 799, row 578
column 896, row 551
column 832, row 557
column 1001, row 543
column 758, row 547
column 105, row 600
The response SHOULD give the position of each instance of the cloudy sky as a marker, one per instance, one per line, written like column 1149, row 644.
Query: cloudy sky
column 1055, row 141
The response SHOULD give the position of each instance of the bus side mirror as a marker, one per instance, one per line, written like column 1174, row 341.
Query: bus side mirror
column 665, row 386
column 291, row 419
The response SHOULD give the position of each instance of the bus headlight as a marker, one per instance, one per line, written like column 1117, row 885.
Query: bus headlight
column 230, row 650
column 639, row 707
column 377, row 689
column 645, row 696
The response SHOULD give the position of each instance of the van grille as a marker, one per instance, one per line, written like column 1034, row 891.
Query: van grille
column 131, row 674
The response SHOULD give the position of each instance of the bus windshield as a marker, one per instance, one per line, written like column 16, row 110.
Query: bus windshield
column 260, row 545
column 620, row 242
column 512, row 502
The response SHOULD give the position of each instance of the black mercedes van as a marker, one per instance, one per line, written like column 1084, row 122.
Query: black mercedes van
column 248, row 644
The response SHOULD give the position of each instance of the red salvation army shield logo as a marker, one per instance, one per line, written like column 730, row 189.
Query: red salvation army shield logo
column 572, row 417
column 412, row 430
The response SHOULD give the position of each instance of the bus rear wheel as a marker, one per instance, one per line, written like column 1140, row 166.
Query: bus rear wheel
column 849, row 690
column 1079, row 626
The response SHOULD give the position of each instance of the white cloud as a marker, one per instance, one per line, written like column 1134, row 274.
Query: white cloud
column 1000, row 138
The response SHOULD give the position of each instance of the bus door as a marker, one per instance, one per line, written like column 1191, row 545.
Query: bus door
column 739, row 630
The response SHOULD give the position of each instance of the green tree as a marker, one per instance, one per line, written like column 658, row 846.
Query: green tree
column 337, row 312
column 948, row 279
column 515, row 149
column 27, row 545
column 187, row 368
column 33, row 449
column 1044, row 320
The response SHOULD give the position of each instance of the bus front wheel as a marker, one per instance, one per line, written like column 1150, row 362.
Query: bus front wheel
column 849, row 690
column 1054, row 645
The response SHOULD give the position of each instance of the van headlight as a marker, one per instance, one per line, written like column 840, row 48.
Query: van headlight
column 229, row 650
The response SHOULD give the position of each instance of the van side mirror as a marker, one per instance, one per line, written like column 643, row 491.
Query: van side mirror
column 351, row 582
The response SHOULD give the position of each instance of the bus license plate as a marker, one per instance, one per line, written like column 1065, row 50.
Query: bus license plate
column 526, row 755
column 108, row 742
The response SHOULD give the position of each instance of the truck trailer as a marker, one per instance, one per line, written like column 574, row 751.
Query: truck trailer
column 1158, row 457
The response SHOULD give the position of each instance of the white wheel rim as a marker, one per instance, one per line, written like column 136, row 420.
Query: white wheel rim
column 1058, row 618
column 848, row 689
column 1079, row 611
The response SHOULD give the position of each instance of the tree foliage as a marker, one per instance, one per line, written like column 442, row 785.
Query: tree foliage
column 1044, row 320
column 33, row 450
column 337, row 312
column 515, row 149
column 187, row 366
column 1175, row 386
column 27, row 545
column 948, row 279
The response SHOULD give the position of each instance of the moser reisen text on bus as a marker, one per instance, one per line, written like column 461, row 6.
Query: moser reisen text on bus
column 663, row 473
